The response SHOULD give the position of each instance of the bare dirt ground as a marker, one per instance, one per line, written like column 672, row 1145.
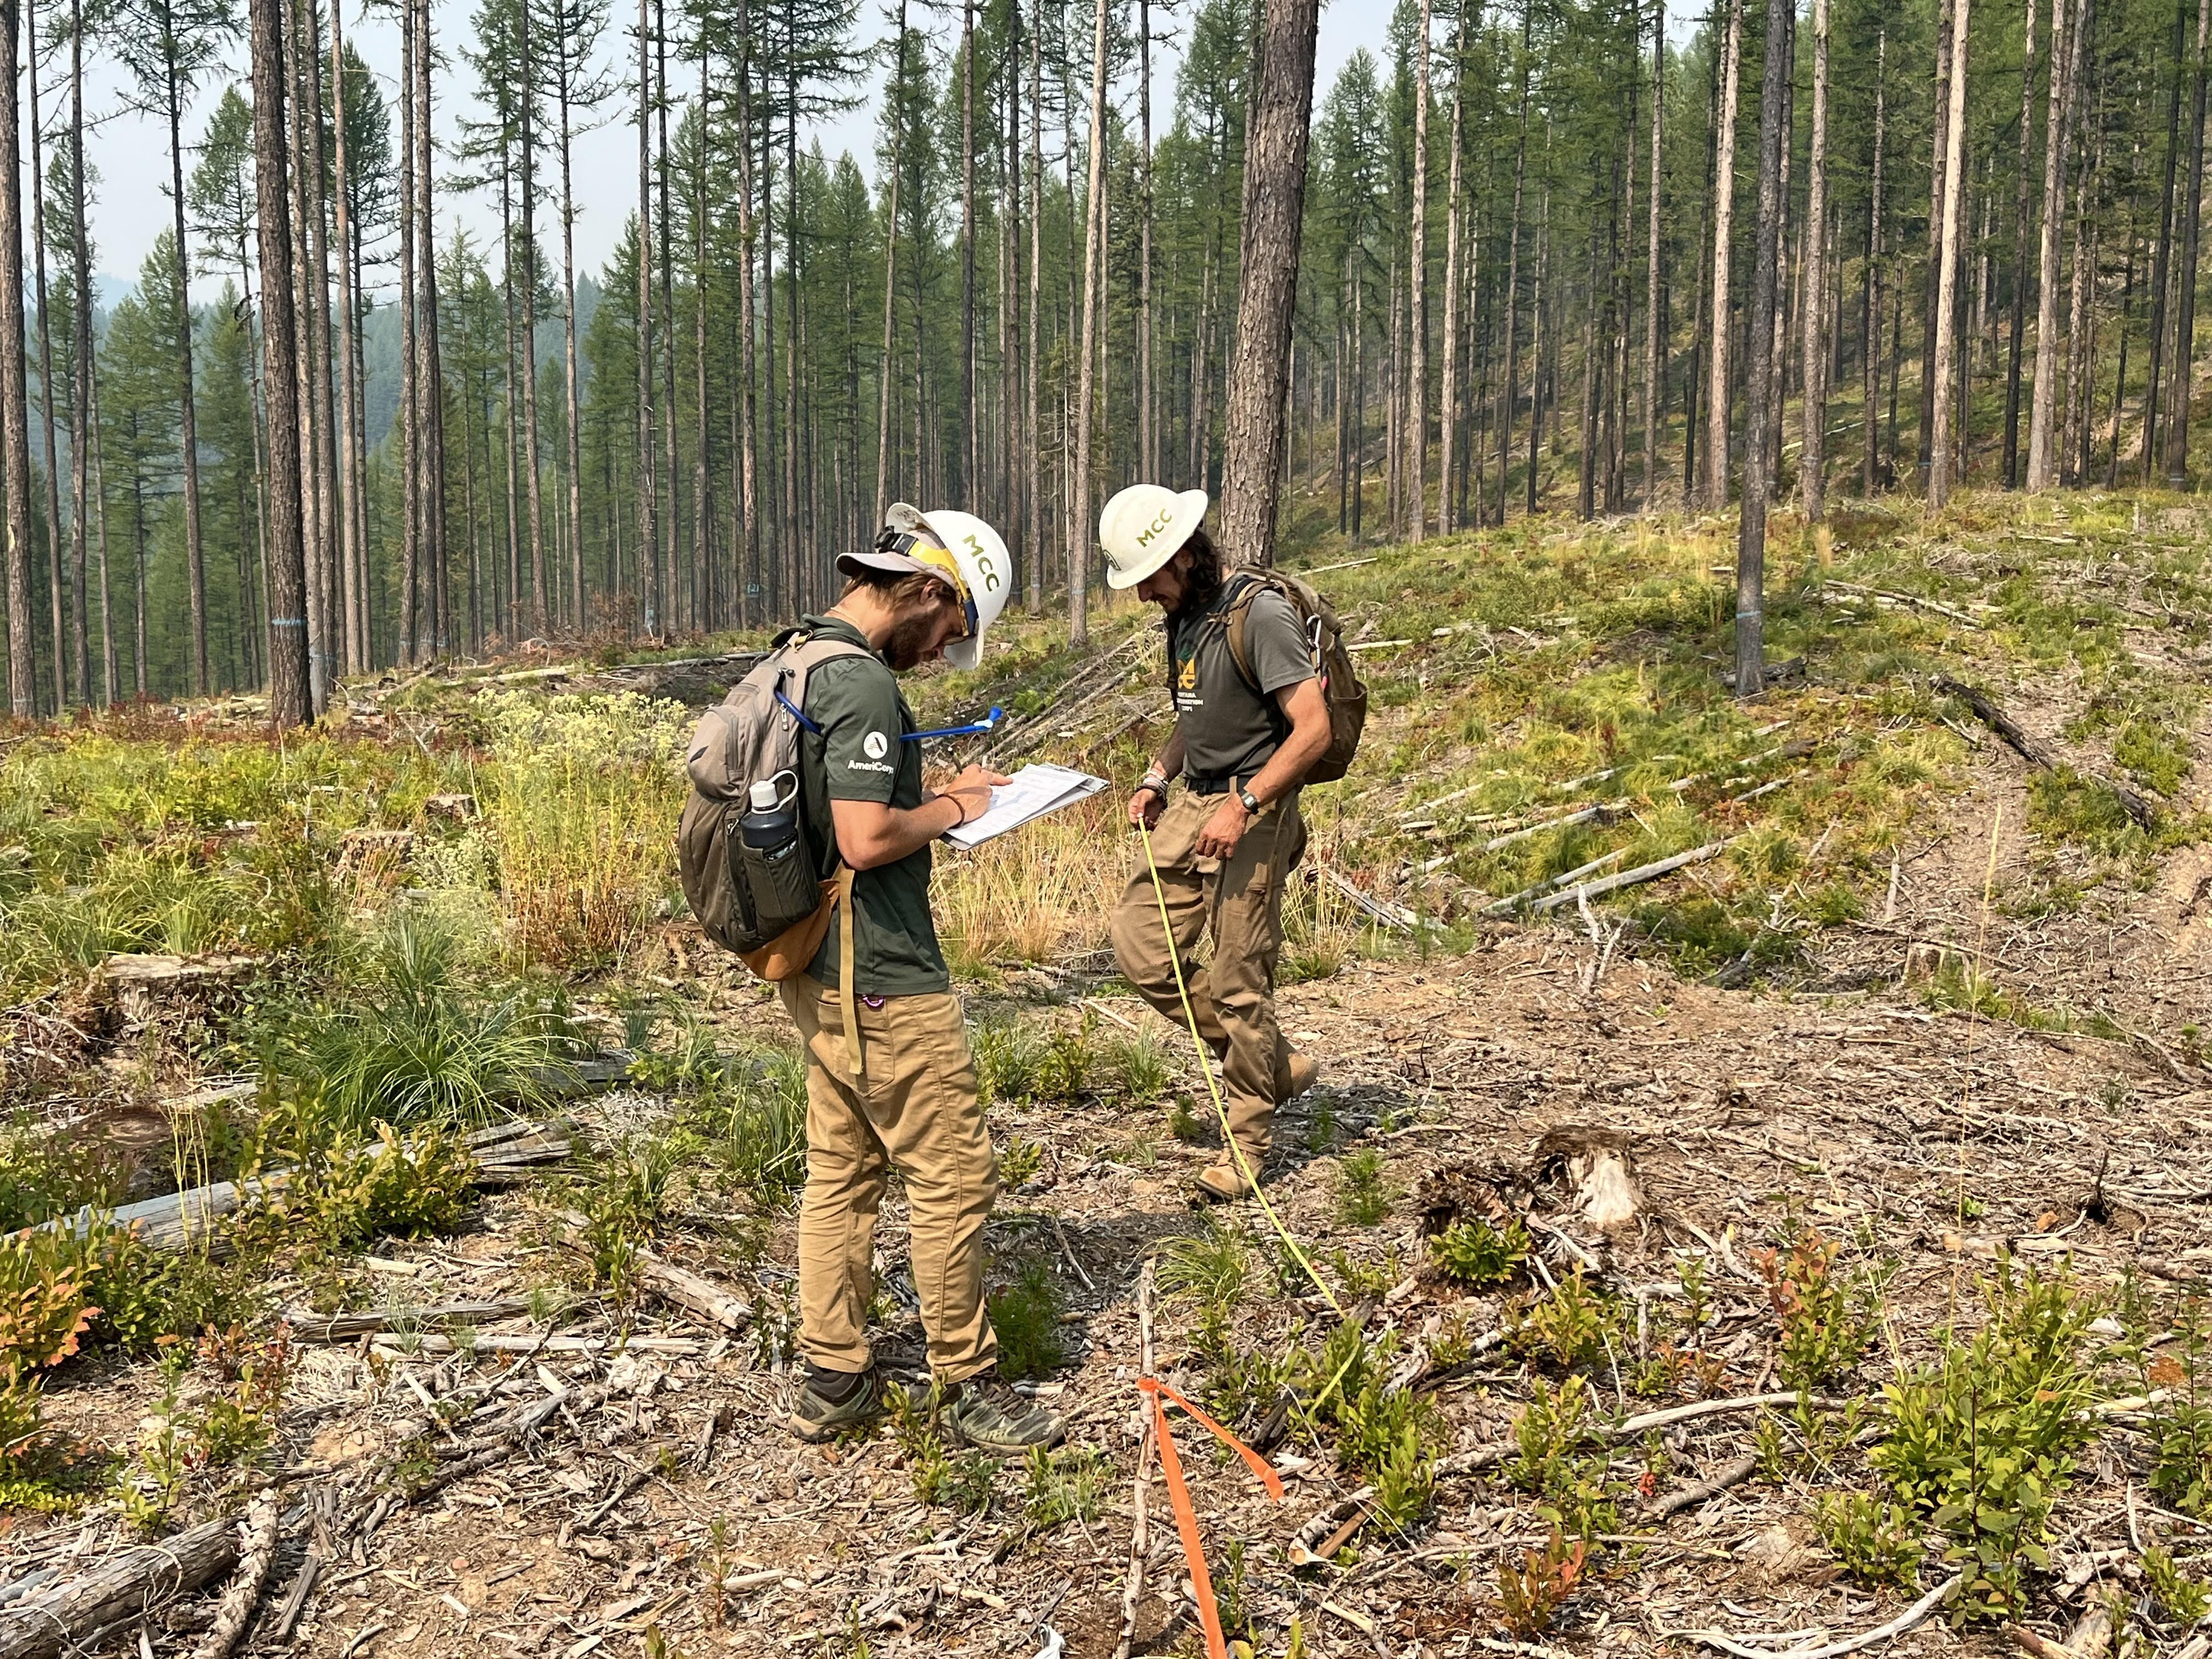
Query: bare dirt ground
column 660, row 1506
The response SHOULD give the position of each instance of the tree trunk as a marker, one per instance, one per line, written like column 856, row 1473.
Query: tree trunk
column 749, row 558
column 1148, row 431
column 54, row 581
column 1510, row 357
column 1941, row 440
column 1717, row 400
column 706, row 613
column 426, row 340
column 1078, row 543
column 1416, row 444
column 355, row 555
column 2019, row 223
column 648, row 526
column 80, row 381
column 1751, row 540
column 890, row 284
column 1655, row 333
column 1267, row 276
column 187, row 438
column 1455, row 216
column 14, row 388
column 2181, row 383
column 1931, row 275
column 1032, row 373
column 1813, row 461
column 2042, row 428
column 288, row 703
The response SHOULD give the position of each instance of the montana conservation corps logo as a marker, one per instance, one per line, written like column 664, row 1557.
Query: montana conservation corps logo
column 1161, row 520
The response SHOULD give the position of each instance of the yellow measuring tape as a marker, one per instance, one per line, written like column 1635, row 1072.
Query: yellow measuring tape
column 1206, row 1067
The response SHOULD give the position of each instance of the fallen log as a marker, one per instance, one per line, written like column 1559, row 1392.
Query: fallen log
column 693, row 1293
column 175, row 1220
column 257, row 1550
column 123, row 1585
column 310, row 1327
column 1590, row 890
column 2036, row 755
column 1689, row 1497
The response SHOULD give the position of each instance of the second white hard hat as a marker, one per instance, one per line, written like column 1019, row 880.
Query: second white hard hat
column 1143, row 526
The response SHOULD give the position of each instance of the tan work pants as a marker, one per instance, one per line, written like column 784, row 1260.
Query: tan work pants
column 916, row 1109
column 1239, row 900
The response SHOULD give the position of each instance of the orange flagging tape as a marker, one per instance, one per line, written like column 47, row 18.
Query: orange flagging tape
column 1194, row 1546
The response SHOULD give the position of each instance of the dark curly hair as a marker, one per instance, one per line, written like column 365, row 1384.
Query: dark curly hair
column 1205, row 576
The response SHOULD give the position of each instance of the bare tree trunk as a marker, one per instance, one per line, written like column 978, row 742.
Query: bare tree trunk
column 410, row 440
column 569, row 361
column 706, row 613
column 2042, row 428
column 426, row 339
column 1032, row 374
column 1814, row 458
column 15, row 386
column 891, row 288
column 1947, row 276
column 1717, row 400
column 288, row 703
column 54, row 583
column 80, row 381
column 2182, row 382
column 1751, row 540
column 338, row 644
column 1267, row 276
column 1148, row 431
column 1094, row 235
column 187, row 439
column 968, row 431
column 1538, row 318
column 648, row 523
column 525, row 101
column 1508, row 379
column 355, row 556
column 2161, row 259
column 2019, row 222
column 1930, row 273
column 1455, row 217
column 749, row 560
column 1417, row 368
column 1872, row 393
column 1655, row 333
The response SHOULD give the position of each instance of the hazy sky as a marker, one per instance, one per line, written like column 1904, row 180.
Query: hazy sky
column 129, row 151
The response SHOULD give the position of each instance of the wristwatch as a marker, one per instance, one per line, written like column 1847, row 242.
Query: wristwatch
column 1251, row 801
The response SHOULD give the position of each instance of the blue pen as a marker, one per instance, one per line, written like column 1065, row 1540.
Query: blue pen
column 985, row 724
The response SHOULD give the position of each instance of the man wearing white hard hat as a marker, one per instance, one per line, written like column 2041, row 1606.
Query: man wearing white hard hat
column 931, row 585
column 1251, row 720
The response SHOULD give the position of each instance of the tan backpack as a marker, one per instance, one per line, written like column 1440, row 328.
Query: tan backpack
column 771, row 908
column 1340, row 684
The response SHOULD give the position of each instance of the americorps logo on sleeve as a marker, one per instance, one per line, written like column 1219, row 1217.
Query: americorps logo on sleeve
column 875, row 746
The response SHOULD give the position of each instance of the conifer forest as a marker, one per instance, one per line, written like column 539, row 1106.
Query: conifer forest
column 1566, row 254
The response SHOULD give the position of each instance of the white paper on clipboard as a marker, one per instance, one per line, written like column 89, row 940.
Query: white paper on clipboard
column 1035, row 791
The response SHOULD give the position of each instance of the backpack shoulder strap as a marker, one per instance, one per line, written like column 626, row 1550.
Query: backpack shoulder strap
column 799, row 656
column 1235, row 612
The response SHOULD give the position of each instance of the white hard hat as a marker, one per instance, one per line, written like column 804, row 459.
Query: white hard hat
column 956, row 547
column 1143, row 527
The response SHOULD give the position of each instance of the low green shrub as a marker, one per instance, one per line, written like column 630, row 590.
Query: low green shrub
column 1475, row 1252
column 1025, row 1313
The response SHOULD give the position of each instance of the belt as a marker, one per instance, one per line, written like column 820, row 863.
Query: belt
column 1210, row 785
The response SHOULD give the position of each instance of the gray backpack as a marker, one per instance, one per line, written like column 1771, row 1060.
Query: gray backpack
column 759, row 893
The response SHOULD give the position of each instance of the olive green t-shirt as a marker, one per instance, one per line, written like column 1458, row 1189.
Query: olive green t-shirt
column 857, row 754
column 1229, row 729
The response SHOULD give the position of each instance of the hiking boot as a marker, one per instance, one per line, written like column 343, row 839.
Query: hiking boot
column 1225, row 1183
column 832, row 1402
column 985, row 1413
column 1304, row 1072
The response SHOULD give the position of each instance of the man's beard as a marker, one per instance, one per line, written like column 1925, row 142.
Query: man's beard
column 910, row 640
